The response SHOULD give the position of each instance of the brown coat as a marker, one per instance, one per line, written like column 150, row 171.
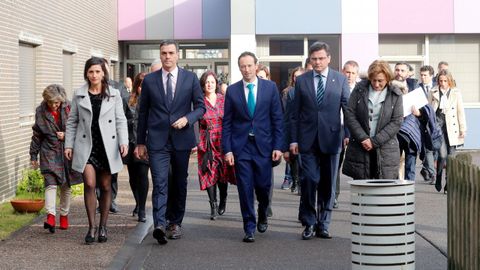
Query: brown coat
column 54, row 166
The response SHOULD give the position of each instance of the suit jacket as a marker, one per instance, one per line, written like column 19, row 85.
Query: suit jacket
column 310, row 121
column 266, row 123
column 113, row 126
column 155, row 119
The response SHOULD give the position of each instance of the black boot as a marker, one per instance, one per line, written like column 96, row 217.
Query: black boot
column 212, row 196
column 213, row 210
column 438, row 183
column 223, row 197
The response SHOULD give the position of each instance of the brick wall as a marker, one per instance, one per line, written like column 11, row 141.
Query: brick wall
column 85, row 27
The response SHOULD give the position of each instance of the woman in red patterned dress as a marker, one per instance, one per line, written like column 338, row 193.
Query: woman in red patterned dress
column 212, row 170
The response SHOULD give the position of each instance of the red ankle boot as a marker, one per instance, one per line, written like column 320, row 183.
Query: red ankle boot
column 50, row 223
column 63, row 222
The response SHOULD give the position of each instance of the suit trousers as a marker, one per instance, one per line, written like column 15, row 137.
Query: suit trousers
column 254, row 174
column 319, row 171
column 173, row 193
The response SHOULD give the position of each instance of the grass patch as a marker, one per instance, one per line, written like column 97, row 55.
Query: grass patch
column 11, row 221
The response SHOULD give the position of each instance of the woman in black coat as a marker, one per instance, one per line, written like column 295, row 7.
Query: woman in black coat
column 373, row 117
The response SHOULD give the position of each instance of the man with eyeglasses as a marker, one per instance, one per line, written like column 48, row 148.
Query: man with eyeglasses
column 316, row 133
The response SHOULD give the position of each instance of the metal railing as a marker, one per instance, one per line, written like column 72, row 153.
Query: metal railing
column 463, row 213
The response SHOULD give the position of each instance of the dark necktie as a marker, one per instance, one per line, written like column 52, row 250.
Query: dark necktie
column 169, row 90
column 320, row 90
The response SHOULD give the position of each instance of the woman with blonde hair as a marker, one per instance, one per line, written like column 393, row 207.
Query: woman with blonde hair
column 373, row 117
column 447, row 102
column 48, row 141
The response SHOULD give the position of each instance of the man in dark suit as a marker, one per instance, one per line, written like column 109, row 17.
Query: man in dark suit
column 316, row 132
column 252, row 139
column 428, row 167
column 165, row 129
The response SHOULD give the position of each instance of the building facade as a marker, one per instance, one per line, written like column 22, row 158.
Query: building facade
column 44, row 42
column 212, row 33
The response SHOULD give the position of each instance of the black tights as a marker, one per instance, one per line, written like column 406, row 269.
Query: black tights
column 90, row 176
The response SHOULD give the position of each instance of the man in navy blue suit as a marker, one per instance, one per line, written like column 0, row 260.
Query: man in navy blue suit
column 252, row 139
column 165, row 129
column 316, row 133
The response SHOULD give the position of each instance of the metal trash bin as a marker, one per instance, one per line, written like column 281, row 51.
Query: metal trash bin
column 383, row 224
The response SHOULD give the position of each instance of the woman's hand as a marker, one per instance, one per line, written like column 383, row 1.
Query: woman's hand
column 60, row 135
column 462, row 134
column 367, row 144
column 68, row 153
column 34, row 164
column 124, row 150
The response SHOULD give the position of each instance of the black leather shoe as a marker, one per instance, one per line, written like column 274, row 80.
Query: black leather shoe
column 142, row 219
column 90, row 237
column 159, row 234
column 309, row 232
column 262, row 226
column 323, row 234
column 102, row 234
column 249, row 238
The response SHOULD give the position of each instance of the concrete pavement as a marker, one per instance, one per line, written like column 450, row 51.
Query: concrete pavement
column 217, row 244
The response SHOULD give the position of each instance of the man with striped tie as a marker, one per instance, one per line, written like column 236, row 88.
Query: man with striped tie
column 316, row 133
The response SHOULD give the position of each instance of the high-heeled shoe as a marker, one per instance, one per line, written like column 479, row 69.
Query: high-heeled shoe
column 102, row 234
column 90, row 237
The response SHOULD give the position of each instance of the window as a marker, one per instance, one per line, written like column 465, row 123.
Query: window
column 68, row 73
column 286, row 47
column 26, row 58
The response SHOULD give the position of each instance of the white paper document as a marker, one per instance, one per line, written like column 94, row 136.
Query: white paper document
column 415, row 98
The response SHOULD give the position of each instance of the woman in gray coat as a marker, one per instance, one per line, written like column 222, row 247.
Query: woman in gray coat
column 374, row 117
column 96, row 138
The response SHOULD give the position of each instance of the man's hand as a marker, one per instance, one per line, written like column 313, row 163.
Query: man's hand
column 276, row 155
column 294, row 148
column 345, row 142
column 124, row 150
column 68, row 153
column 180, row 123
column 367, row 144
column 286, row 156
column 229, row 159
column 140, row 152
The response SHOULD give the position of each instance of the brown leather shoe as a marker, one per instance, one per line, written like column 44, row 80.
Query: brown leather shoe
column 174, row 231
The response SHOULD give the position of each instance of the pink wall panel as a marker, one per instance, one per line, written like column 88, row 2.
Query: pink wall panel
column 187, row 19
column 414, row 16
column 362, row 48
column 466, row 13
column 131, row 19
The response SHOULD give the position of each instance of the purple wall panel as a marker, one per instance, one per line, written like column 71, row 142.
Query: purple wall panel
column 413, row 16
column 187, row 19
column 131, row 19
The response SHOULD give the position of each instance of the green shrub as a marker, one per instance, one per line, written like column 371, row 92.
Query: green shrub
column 32, row 183
column 77, row 190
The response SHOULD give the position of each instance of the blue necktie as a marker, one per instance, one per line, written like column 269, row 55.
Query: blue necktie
column 320, row 90
column 251, row 99
column 169, row 90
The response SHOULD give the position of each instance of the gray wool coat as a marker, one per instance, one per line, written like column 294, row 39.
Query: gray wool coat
column 113, row 126
column 385, row 143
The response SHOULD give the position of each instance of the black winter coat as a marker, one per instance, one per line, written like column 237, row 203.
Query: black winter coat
column 385, row 143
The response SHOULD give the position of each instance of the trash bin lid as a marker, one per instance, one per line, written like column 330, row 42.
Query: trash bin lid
column 380, row 182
